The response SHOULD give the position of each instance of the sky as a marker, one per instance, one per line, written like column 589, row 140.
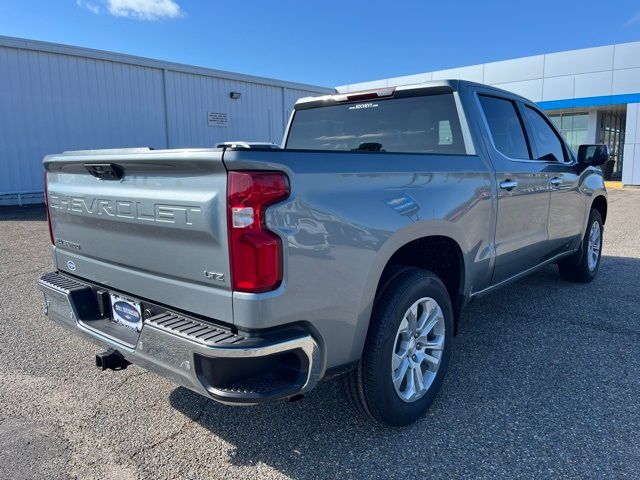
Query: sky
column 327, row 42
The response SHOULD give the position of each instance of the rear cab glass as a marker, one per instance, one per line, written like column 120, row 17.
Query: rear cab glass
column 416, row 124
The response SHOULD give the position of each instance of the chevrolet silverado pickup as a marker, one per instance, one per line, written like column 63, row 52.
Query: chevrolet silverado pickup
column 250, row 274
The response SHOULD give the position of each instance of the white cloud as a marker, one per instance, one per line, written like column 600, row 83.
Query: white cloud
column 633, row 19
column 92, row 7
column 137, row 9
column 144, row 9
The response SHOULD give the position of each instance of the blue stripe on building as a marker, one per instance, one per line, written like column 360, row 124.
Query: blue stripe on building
column 590, row 101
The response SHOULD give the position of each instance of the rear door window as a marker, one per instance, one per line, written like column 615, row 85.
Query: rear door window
column 422, row 124
column 505, row 127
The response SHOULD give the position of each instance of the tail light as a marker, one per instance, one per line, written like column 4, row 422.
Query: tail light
column 255, row 251
column 46, row 207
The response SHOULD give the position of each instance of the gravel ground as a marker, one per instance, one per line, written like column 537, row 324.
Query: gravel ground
column 545, row 382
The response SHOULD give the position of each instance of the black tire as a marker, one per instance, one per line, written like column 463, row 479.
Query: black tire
column 369, row 387
column 576, row 268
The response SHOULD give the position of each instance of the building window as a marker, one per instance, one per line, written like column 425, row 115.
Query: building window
column 573, row 127
column 612, row 129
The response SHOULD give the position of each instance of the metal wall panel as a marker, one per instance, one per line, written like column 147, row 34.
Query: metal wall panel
column 593, row 84
column 516, row 70
column 632, row 134
column 586, row 60
column 557, row 88
column 631, row 164
column 627, row 55
column 626, row 81
column 256, row 116
column 50, row 103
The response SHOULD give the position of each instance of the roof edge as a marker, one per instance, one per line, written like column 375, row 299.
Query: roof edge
column 72, row 50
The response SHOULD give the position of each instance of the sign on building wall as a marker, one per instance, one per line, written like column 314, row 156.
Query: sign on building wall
column 217, row 119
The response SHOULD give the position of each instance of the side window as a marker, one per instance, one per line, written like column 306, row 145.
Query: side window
column 548, row 144
column 505, row 126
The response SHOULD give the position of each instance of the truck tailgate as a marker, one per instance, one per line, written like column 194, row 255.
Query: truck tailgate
column 159, row 232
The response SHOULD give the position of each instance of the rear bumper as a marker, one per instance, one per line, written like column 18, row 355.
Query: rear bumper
column 230, row 367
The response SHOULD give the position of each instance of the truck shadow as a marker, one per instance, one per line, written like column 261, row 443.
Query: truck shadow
column 540, row 378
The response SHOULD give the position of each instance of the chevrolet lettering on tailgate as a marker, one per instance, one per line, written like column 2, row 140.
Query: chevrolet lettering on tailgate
column 136, row 210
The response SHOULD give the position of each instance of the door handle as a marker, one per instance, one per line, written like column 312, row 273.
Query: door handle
column 508, row 184
column 556, row 181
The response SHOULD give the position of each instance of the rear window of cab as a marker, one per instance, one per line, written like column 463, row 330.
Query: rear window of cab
column 419, row 124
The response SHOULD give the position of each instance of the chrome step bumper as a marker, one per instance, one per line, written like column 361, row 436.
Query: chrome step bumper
column 235, row 368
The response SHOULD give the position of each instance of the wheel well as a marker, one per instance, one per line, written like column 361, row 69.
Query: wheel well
column 441, row 255
column 600, row 204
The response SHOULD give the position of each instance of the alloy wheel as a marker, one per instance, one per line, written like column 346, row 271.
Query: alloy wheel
column 418, row 349
column 594, row 245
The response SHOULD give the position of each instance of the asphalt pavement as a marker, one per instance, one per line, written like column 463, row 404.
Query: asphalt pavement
column 544, row 382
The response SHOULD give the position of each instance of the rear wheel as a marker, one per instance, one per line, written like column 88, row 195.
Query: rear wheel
column 407, row 350
column 584, row 265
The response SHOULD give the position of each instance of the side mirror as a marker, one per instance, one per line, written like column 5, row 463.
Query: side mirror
column 593, row 154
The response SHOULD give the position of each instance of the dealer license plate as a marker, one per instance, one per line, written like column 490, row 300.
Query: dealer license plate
column 125, row 312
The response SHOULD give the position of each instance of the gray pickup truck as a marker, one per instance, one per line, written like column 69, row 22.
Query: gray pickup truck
column 250, row 274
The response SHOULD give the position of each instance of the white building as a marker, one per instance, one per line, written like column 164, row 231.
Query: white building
column 593, row 95
column 57, row 97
